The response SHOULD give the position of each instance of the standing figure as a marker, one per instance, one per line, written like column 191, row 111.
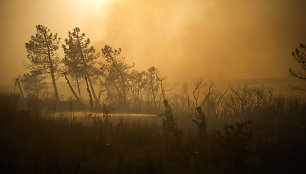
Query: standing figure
column 200, row 121
column 168, row 122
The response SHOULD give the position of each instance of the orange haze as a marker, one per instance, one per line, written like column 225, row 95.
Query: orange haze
column 217, row 39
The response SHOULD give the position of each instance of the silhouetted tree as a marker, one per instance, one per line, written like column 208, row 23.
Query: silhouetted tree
column 152, row 84
column 137, row 86
column 299, row 56
column 110, row 83
column 42, row 53
column 164, row 87
column 17, row 83
column 198, row 83
column 117, row 69
column 186, row 99
column 72, row 63
column 80, row 59
column 33, row 82
column 70, row 86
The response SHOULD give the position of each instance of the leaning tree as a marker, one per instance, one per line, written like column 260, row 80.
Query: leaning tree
column 41, row 50
column 80, row 59
column 118, row 71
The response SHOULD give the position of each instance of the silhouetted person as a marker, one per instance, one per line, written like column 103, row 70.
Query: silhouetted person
column 168, row 122
column 200, row 121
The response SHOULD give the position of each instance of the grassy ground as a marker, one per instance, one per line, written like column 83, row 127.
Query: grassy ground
column 30, row 143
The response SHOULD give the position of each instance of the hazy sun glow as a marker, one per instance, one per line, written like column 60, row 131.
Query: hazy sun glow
column 97, row 3
column 94, row 8
column 183, row 38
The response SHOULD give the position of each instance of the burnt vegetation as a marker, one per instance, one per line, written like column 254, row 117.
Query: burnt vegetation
column 249, row 129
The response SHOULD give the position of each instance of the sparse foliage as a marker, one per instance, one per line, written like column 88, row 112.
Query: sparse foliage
column 33, row 82
column 152, row 84
column 117, row 71
column 80, row 59
column 300, row 57
column 42, row 53
column 198, row 83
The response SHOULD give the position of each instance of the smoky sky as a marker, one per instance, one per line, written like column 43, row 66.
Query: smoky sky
column 216, row 39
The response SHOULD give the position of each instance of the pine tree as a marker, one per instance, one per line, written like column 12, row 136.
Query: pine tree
column 80, row 59
column 33, row 82
column 42, row 53
column 72, row 64
column 118, row 70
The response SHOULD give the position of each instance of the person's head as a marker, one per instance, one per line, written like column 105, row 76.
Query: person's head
column 199, row 109
column 165, row 102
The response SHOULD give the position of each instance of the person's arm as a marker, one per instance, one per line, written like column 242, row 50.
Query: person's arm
column 197, row 120
column 194, row 120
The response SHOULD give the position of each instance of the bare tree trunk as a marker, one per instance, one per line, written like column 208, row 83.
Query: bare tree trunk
column 89, row 94
column 87, row 74
column 153, row 92
column 18, row 83
column 92, row 90
column 122, row 82
column 71, row 88
column 161, row 87
column 36, row 101
column 52, row 71
column 53, row 81
column 124, row 92
column 77, row 81
column 119, row 95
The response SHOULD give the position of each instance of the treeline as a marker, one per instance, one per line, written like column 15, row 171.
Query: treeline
column 107, row 76
column 109, row 80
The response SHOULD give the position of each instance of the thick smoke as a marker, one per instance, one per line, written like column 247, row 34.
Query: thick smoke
column 218, row 39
